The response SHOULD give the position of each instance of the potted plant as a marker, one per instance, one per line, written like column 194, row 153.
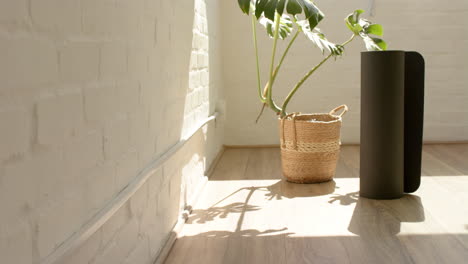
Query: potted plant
column 310, row 143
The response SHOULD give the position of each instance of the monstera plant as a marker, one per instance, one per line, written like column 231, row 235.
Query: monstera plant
column 310, row 143
column 289, row 18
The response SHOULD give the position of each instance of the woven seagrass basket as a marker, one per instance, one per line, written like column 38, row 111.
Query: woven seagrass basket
column 310, row 145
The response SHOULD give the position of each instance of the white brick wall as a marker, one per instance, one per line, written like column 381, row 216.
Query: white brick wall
column 79, row 62
column 91, row 92
column 37, row 57
column 15, row 242
column 438, row 32
column 16, row 132
column 56, row 15
column 59, row 118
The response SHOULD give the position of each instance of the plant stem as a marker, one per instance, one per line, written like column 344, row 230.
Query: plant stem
column 294, row 90
column 278, row 67
column 349, row 40
column 269, row 99
column 260, row 114
column 275, row 73
column 254, row 30
column 284, row 54
column 306, row 76
column 299, row 30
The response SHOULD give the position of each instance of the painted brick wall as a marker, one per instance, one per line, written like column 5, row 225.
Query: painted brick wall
column 437, row 31
column 91, row 93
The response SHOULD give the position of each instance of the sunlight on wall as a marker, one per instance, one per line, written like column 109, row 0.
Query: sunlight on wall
column 197, row 97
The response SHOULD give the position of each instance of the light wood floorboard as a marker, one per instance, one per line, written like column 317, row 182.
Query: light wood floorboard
column 249, row 214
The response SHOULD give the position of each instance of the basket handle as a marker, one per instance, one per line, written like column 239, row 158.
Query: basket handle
column 283, row 137
column 333, row 112
column 294, row 131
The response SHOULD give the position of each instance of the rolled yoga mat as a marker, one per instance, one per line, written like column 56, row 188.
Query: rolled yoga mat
column 392, row 110
column 382, row 124
column 414, row 117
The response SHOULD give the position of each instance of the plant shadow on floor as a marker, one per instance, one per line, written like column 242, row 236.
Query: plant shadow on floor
column 201, row 216
column 376, row 223
column 375, row 233
column 279, row 190
column 346, row 199
column 284, row 189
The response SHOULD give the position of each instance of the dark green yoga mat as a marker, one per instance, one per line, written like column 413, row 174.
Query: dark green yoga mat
column 392, row 99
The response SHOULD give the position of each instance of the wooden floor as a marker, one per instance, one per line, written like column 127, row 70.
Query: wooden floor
column 248, row 214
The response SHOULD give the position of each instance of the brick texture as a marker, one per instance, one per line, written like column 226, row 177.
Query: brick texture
column 92, row 92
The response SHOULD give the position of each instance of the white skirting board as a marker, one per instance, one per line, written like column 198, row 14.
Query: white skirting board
column 79, row 237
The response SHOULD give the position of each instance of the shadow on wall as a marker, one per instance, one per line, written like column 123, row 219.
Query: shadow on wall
column 174, row 110
column 174, row 61
column 190, row 105
column 189, row 167
column 188, row 102
column 185, row 67
column 200, row 96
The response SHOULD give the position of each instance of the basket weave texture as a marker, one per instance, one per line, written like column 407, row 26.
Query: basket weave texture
column 310, row 146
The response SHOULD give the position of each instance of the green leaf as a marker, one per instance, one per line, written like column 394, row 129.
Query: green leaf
column 358, row 12
column 349, row 20
column 374, row 29
column 318, row 38
column 260, row 7
column 374, row 43
column 352, row 21
column 363, row 28
column 270, row 9
column 280, row 7
column 244, row 6
column 293, row 7
column 312, row 13
column 381, row 43
column 285, row 26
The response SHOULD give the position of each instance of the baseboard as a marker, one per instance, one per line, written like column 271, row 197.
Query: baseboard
column 268, row 146
column 215, row 162
column 344, row 144
column 166, row 249
column 435, row 142
column 251, row 146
